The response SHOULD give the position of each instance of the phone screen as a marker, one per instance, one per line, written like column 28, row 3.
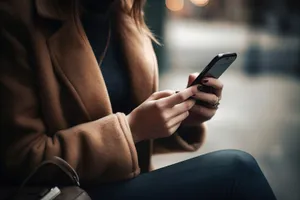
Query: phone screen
column 219, row 67
column 216, row 67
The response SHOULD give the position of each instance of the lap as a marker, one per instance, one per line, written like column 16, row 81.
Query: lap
column 211, row 176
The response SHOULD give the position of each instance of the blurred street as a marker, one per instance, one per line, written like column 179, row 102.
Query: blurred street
column 258, row 114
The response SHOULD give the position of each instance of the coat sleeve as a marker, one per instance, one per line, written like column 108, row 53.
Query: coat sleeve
column 184, row 140
column 101, row 150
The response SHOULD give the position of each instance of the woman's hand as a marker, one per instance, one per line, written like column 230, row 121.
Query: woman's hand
column 201, row 113
column 161, row 114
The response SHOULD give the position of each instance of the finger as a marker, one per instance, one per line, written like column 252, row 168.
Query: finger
column 205, row 112
column 175, row 127
column 177, row 119
column 182, row 107
column 180, row 96
column 207, row 97
column 160, row 95
column 192, row 77
column 214, row 83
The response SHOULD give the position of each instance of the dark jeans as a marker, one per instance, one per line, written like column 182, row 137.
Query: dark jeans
column 228, row 174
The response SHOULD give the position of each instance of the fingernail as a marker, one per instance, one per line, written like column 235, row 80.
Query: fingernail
column 205, row 81
column 200, row 88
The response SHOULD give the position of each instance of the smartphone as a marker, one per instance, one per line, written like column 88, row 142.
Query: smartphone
column 216, row 67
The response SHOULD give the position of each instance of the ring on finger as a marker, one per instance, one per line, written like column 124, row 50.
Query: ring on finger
column 216, row 105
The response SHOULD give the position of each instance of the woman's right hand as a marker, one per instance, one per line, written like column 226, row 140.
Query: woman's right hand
column 161, row 114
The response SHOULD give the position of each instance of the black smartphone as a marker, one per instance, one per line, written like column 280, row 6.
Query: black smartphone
column 216, row 67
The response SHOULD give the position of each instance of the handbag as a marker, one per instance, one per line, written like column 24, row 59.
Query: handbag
column 54, row 179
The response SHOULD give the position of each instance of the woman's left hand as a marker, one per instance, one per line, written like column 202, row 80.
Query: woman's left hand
column 201, row 113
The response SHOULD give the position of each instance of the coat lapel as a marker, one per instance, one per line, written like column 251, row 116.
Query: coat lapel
column 74, row 61
column 76, row 64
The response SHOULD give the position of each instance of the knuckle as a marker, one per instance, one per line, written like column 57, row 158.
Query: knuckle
column 181, row 97
column 186, row 106
column 211, row 99
column 164, row 118
column 155, row 94
column 214, row 99
column 221, row 85
column 158, row 105
column 169, row 92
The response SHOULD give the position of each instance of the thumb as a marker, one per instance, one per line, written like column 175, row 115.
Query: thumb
column 160, row 95
column 192, row 77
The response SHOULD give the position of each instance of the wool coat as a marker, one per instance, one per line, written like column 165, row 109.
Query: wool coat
column 54, row 100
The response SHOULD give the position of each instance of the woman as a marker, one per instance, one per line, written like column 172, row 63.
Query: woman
column 106, row 121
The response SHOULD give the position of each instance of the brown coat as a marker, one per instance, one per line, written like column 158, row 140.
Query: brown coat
column 54, row 101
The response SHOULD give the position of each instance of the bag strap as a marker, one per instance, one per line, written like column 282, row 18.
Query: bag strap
column 61, row 164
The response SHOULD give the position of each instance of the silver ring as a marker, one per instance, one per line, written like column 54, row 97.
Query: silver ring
column 216, row 105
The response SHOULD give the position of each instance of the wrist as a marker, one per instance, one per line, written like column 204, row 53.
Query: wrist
column 132, row 129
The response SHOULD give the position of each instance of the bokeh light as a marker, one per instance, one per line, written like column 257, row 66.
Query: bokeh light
column 200, row 2
column 175, row 5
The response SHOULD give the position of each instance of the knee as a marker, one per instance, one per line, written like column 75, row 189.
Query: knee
column 239, row 161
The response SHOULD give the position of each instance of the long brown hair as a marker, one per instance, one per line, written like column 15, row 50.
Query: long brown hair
column 133, row 8
column 136, row 11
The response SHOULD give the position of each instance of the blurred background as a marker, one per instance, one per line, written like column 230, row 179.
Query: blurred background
column 260, row 110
